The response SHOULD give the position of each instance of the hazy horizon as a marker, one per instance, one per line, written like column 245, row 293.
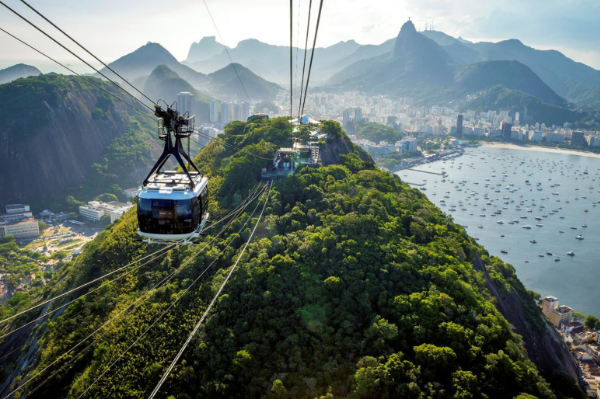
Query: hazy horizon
column 539, row 24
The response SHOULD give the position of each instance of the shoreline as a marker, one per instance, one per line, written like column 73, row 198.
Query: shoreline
column 540, row 149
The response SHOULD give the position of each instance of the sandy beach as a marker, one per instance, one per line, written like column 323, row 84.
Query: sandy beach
column 541, row 149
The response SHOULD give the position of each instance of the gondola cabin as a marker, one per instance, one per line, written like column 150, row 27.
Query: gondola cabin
column 170, row 210
column 173, row 205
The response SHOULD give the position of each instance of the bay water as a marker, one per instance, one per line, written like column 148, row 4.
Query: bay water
column 496, row 192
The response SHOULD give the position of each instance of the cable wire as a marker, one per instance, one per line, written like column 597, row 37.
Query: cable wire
column 197, row 326
column 81, row 296
column 168, row 308
column 251, row 198
column 291, row 45
column 81, row 76
column 312, row 54
column 226, row 144
column 81, row 286
column 226, row 50
column 304, row 63
column 124, row 102
column 86, row 50
column 71, row 52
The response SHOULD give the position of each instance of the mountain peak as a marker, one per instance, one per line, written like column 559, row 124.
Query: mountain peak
column 208, row 39
column 17, row 71
column 408, row 27
column 411, row 44
column 206, row 48
column 512, row 42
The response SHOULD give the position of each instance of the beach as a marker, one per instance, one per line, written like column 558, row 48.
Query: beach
column 540, row 149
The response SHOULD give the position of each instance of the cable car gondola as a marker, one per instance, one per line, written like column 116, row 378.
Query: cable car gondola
column 172, row 206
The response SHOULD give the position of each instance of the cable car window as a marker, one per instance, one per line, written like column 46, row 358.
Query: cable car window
column 145, row 207
column 184, row 210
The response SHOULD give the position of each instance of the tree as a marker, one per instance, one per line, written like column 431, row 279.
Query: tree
column 74, row 204
column 72, row 216
column 334, row 129
column 43, row 226
column 106, row 197
column 592, row 322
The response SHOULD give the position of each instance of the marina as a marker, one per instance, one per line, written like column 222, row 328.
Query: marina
column 493, row 192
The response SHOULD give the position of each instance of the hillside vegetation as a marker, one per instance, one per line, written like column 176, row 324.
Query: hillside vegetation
column 355, row 286
column 531, row 108
column 61, row 132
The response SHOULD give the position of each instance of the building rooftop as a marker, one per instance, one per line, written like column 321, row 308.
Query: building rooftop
column 551, row 298
column 563, row 309
column 28, row 220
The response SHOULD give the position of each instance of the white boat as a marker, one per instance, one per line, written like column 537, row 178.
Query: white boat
column 571, row 253
column 579, row 237
column 527, row 227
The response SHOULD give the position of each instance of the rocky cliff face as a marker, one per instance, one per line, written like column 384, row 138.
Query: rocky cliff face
column 544, row 348
column 330, row 153
column 57, row 129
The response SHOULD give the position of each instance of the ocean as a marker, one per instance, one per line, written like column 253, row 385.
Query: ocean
column 496, row 192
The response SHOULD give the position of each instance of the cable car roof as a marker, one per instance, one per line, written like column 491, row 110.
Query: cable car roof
column 172, row 185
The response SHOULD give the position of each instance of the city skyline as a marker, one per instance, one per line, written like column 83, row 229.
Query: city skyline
column 543, row 25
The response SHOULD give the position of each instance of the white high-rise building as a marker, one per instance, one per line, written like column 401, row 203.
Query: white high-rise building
column 214, row 111
column 245, row 111
column 225, row 119
column 185, row 100
column 237, row 112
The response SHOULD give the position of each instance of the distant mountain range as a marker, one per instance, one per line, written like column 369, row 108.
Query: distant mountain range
column 164, row 83
column 272, row 62
column 572, row 80
column 17, row 71
column 432, row 68
column 225, row 84
column 154, row 69
column 144, row 60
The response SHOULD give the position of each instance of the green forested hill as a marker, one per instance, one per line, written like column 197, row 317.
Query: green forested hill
column 64, row 135
column 532, row 108
column 355, row 286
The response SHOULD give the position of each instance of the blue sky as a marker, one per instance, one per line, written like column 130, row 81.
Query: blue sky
column 113, row 28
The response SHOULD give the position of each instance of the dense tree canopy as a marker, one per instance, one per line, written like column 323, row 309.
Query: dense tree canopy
column 356, row 286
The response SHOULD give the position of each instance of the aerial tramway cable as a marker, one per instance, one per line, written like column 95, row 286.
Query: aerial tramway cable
column 312, row 54
column 291, row 50
column 46, row 314
column 75, row 73
column 254, row 194
column 231, row 146
column 170, row 306
column 197, row 326
column 83, row 285
column 124, row 102
column 86, row 50
column 75, row 55
column 226, row 50
column 304, row 63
